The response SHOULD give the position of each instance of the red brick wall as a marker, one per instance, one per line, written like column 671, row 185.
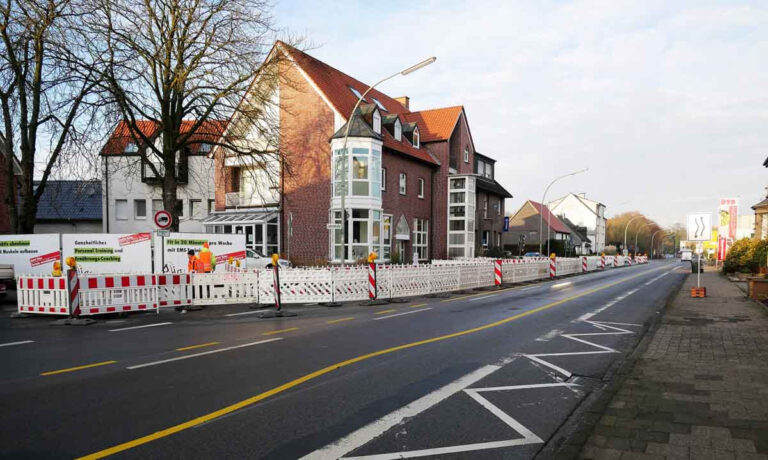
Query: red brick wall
column 306, row 126
column 438, row 226
column 494, row 223
column 409, row 205
column 459, row 140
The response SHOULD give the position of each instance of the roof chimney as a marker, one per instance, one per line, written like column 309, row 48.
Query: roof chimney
column 405, row 101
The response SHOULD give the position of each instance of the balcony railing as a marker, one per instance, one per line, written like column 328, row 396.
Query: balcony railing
column 240, row 199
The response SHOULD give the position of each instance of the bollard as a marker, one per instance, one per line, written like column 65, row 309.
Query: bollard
column 602, row 261
column 584, row 264
column 278, row 312
column 497, row 272
column 552, row 266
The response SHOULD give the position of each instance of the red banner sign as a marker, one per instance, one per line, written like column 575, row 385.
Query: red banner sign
column 45, row 258
column 239, row 255
column 133, row 239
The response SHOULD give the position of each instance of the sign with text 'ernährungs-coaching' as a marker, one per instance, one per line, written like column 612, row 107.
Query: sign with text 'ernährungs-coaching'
column 109, row 252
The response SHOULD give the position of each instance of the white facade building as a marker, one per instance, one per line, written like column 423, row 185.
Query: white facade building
column 131, row 194
column 583, row 212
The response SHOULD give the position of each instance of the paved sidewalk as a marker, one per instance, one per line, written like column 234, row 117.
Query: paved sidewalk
column 700, row 390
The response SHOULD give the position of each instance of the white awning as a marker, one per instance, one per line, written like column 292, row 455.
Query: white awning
column 240, row 217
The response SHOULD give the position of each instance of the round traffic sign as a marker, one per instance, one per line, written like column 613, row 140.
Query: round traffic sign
column 625, row 252
column 163, row 219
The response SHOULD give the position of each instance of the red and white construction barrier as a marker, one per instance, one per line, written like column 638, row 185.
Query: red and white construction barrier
column 73, row 285
column 497, row 277
column 584, row 264
column 552, row 267
column 174, row 289
column 602, row 262
column 117, row 294
column 372, row 281
column 42, row 295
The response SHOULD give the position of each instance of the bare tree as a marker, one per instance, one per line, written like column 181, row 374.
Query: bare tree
column 188, row 67
column 45, row 97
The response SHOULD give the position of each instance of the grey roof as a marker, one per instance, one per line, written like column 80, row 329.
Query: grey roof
column 490, row 185
column 70, row 200
column 575, row 229
column 358, row 128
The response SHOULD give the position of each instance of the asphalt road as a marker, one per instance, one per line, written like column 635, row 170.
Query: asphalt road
column 490, row 374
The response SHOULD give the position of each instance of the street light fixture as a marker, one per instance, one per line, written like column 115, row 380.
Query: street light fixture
column 627, row 227
column 407, row 71
column 543, row 199
column 638, row 233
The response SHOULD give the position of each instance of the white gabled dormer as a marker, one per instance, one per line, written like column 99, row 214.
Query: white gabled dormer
column 398, row 130
column 376, row 122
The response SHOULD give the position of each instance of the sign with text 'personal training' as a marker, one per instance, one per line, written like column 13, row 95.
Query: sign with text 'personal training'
column 30, row 254
column 700, row 226
column 109, row 252
column 171, row 251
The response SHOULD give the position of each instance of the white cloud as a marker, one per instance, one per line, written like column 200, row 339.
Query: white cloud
column 662, row 100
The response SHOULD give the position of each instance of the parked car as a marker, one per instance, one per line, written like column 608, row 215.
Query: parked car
column 532, row 254
column 255, row 259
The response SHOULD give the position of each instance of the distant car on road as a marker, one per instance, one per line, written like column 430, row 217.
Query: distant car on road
column 255, row 259
column 686, row 256
column 532, row 254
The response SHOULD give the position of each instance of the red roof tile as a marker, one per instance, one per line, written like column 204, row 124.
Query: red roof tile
column 555, row 223
column 437, row 124
column 209, row 131
column 335, row 85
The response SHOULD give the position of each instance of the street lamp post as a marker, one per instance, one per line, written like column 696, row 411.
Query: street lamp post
column 627, row 227
column 543, row 199
column 652, row 237
column 638, row 232
column 345, row 157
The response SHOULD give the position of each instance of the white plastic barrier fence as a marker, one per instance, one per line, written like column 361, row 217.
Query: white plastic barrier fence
column 100, row 294
column 222, row 288
column 42, row 295
column 304, row 285
column 568, row 266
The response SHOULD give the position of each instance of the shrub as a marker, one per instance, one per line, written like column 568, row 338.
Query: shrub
column 746, row 256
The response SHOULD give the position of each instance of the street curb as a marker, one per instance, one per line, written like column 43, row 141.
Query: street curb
column 569, row 439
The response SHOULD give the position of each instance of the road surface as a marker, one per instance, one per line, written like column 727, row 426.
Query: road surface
column 489, row 374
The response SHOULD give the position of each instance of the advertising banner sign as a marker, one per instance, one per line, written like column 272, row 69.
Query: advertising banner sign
column 171, row 251
column 728, row 220
column 30, row 254
column 109, row 252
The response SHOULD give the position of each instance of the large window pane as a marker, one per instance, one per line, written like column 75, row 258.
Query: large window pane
column 360, row 232
column 360, row 188
column 360, row 167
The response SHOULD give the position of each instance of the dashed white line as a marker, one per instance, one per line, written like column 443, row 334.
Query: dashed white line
column 567, row 283
column 613, row 302
column 10, row 344
column 374, row 429
column 249, row 312
column 482, row 297
column 401, row 314
column 155, row 363
column 139, row 327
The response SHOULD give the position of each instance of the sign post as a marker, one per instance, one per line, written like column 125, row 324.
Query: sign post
column 699, row 230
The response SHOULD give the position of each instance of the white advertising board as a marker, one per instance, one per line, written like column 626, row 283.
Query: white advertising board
column 171, row 251
column 30, row 254
column 700, row 226
column 109, row 252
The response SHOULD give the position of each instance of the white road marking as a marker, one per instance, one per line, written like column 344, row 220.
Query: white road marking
column 9, row 344
column 549, row 335
column 613, row 302
column 567, row 283
column 401, row 314
column 248, row 312
column 139, row 327
column 374, row 429
column 528, row 288
column 550, row 365
column 483, row 297
column 657, row 278
column 155, row 363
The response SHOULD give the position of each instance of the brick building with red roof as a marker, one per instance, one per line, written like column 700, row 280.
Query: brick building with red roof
column 400, row 165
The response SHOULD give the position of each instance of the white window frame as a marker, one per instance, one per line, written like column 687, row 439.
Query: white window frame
column 125, row 209
column 398, row 130
column 466, row 155
column 485, row 207
column 416, row 137
column 421, row 188
column 192, row 209
column 383, row 179
column 484, row 237
column 421, row 233
column 498, row 207
column 135, row 213
column 376, row 122
column 403, row 184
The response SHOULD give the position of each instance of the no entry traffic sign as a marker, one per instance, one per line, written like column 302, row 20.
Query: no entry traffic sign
column 163, row 219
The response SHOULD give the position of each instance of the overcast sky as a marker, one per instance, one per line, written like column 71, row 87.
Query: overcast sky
column 666, row 102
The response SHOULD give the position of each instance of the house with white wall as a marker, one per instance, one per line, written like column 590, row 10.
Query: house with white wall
column 131, row 193
column 583, row 212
